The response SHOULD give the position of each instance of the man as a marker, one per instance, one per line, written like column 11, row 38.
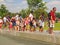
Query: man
column 52, row 20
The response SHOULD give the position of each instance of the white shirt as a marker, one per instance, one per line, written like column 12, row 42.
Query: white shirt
column 17, row 17
column 4, row 19
column 41, row 23
column 31, row 16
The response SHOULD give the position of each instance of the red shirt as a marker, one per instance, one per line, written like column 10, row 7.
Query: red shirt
column 52, row 15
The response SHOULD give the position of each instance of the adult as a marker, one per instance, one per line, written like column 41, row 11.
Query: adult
column 20, row 17
column 8, row 18
column 17, row 17
column 31, row 15
column 5, row 21
column 52, row 20
column 13, row 22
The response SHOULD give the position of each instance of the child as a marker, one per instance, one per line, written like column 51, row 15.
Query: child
column 27, row 23
column 10, row 25
column 34, row 24
column 1, row 22
column 17, row 25
column 23, row 24
column 41, row 24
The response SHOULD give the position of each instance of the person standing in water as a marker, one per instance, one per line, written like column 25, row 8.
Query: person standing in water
column 52, row 20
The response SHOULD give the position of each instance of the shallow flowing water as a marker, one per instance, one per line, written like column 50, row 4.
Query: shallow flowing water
column 5, row 40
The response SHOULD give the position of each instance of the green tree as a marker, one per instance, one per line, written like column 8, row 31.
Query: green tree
column 39, row 12
column 35, row 4
column 3, row 10
column 23, row 13
column 58, row 15
column 38, row 7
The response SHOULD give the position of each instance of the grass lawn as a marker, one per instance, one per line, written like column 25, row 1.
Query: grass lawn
column 57, row 26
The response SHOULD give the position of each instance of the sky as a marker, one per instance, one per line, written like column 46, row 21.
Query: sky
column 53, row 3
column 17, row 5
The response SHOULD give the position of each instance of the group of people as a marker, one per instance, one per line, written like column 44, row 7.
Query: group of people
column 29, row 22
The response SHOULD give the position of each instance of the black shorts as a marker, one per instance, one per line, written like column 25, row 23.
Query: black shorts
column 40, row 26
column 31, row 24
column 14, row 24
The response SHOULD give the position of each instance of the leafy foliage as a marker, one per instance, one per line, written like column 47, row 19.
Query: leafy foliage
column 38, row 7
column 58, row 15
column 3, row 10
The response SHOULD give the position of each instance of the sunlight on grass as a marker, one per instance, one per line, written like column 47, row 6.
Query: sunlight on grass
column 57, row 26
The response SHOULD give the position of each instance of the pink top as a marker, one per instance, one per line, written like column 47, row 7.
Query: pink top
column 26, row 22
column 10, row 26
